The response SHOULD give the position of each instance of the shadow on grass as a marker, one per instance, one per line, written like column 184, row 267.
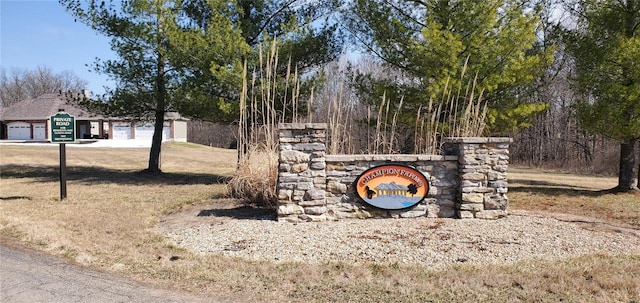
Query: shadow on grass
column 241, row 212
column 15, row 198
column 553, row 189
column 101, row 175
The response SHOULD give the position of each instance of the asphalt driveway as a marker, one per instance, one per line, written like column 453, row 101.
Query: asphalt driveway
column 30, row 276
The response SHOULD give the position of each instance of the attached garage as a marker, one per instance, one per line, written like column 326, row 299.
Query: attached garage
column 145, row 132
column 19, row 131
column 39, row 131
column 122, row 131
column 30, row 120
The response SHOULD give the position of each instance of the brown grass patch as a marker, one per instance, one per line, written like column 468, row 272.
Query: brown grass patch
column 111, row 205
column 109, row 219
column 544, row 190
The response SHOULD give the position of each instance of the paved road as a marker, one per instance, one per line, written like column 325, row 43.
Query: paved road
column 29, row 276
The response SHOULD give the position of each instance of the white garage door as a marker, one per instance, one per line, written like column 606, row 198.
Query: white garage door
column 19, row 131
column 166, row 133
column 121, row 132
column 145, row 132
column 39, row 132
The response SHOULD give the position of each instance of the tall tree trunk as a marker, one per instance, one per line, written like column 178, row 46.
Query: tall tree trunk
column 627, row 171
column 156, row 142
column 160, row 95
column 638, row 160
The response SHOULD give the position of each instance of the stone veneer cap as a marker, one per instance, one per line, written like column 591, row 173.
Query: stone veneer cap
column 394, row 157
column 286, row 126
column 478, row 140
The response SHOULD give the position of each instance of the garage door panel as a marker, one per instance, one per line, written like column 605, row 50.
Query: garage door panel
column 146, row 132
column 121, row 132
column 39, row 132
column 19, row 131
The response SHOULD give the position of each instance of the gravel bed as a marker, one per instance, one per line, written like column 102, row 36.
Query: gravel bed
column 434, row 243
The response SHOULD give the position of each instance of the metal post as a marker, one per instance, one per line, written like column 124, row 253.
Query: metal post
column 63, row 171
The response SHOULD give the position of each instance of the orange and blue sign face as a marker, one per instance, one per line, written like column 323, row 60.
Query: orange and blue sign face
column 392, row 186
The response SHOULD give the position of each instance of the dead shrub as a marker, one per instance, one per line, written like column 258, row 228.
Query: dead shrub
column 255, row 178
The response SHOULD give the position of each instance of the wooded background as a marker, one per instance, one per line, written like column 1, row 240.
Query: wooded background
column 559, row 76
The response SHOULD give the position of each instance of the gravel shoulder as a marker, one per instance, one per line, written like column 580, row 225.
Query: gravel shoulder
column 226, row 228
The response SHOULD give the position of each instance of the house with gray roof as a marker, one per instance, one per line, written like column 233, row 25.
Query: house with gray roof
column 29, row 120
column 391, row 190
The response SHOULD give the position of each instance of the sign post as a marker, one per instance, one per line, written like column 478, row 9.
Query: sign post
column 63, row 130
column 63, row 171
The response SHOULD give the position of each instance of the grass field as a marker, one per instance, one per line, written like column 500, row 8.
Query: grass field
column 108, row 220
column 549, row 191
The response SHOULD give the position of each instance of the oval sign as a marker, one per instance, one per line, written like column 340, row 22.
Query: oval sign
column 392, row 186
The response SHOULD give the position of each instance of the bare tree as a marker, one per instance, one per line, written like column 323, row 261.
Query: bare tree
column 556, row 139
column 17, row 84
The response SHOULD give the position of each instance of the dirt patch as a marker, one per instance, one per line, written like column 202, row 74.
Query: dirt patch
column 213, row 211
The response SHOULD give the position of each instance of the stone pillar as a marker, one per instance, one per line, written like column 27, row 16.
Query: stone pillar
column 483, row 164
column 302, row 172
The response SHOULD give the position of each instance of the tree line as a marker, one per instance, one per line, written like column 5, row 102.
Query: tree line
column 561, row 76
column 18, row 84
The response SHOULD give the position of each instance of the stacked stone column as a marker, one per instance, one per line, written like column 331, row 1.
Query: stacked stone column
column 301, row 172
column 482, row 168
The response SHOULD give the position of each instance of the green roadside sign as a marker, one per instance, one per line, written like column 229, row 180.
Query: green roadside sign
column 63, row 128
